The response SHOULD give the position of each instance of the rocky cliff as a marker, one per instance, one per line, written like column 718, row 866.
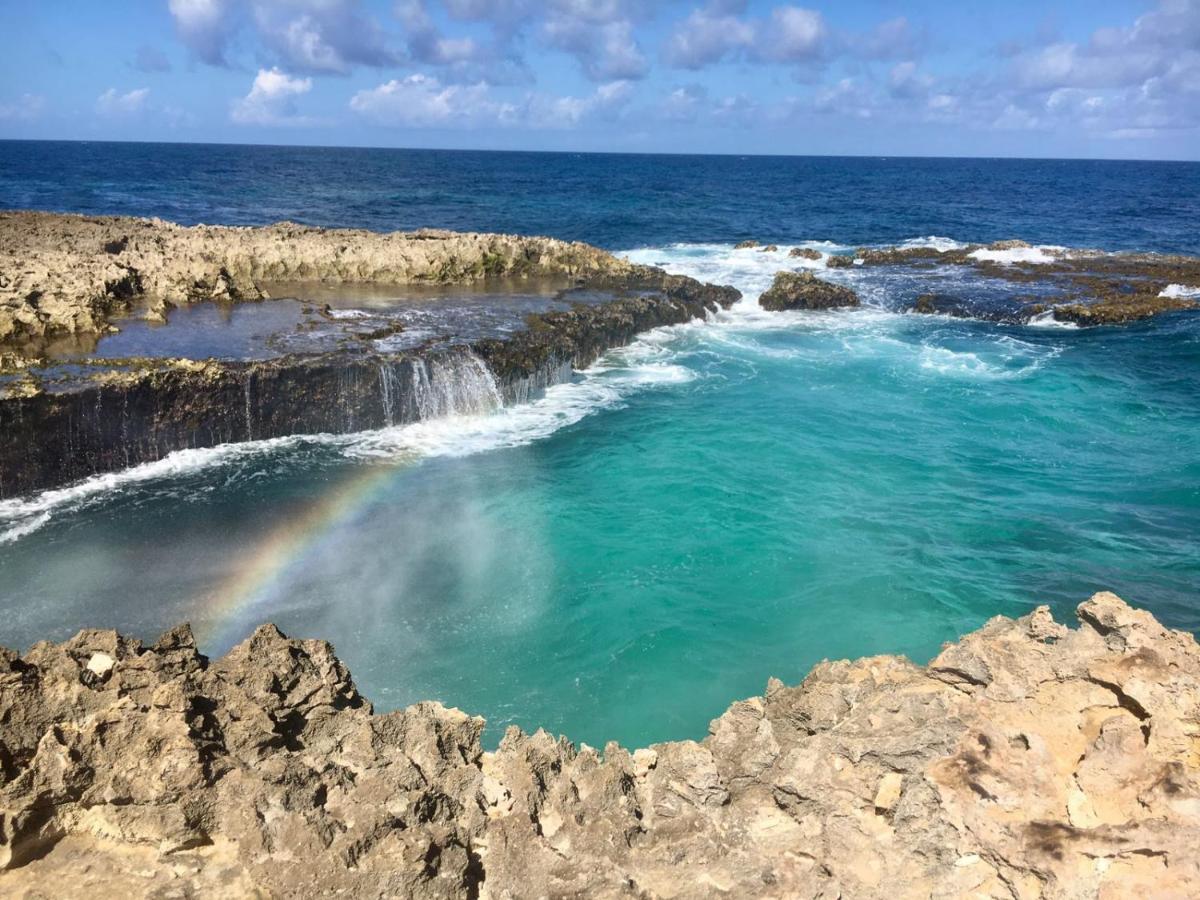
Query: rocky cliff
column 1027, row 760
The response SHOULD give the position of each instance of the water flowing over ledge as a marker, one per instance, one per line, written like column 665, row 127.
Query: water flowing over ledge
column 1026, row 760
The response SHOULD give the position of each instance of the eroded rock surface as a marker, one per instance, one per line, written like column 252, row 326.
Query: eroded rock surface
column 67, row 273
column 803, row 290
column 1027, row 760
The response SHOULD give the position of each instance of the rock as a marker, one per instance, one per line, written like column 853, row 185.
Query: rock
column 770, row 248
column 745, row 245
column 1029, row 759
column 100, row 664
column 1011, row 244
column 803, row 290
column 835, row 261
column 804, row 253
column 143, row 409
column 1119, row 307
column 68, row 273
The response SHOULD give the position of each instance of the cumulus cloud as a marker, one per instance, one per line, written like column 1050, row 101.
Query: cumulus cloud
column 272, row 100
column 204, row 26
column 605, row 50
column 708, row 36
column 717, row 32
column 312, row 36
column 114, row 104
column 423, row 101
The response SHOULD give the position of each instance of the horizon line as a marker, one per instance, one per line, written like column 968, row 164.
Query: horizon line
column 877, row 156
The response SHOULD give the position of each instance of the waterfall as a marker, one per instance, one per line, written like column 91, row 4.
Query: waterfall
column 246, row 393
column 523, row 390
column 452, row 384
column 389, row 390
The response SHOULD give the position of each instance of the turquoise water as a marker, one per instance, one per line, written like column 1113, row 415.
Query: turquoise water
column 719, row 503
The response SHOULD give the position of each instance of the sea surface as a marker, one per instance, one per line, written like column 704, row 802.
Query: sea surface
column 716, row 504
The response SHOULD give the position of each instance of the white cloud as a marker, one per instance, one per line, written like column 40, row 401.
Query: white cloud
column 422, row 101
column 707, row 36
column 317, row 36
column 204, row 26
column 113, row 104
column 271, row 100
column 793, row 35
column 606, row 50
column 25, row 108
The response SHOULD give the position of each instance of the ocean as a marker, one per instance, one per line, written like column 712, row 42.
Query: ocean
column 716, row 504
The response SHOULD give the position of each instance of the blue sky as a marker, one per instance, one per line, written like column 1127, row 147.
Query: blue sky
column 879, row 77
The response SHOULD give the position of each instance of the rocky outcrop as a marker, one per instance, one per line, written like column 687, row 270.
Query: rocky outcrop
column 138, row 411
column 803, row 290
column 745, row 245
column 804, row 253
column 1028, row 760
column 769, row 248
column 67, row 273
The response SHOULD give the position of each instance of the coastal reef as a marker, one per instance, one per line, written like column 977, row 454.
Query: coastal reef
column 68, row 274
column 1026, row 760
column 1089, row 287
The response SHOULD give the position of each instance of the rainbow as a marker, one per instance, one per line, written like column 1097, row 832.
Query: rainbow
column 239, row 597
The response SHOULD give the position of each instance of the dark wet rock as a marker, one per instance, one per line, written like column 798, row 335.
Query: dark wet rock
column 839, row 262
column 804, row 253
column 122, row 413
column 770, row 248
column 803, row 290
column 745, row 245
column 1011, row 244
column 1027, row 760
column 1118, row 308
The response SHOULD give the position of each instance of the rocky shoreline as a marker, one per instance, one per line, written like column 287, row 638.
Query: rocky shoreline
column 61, row 423
column 1027, row 760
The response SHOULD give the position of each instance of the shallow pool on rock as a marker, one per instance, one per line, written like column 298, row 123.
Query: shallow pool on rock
column 718, row 503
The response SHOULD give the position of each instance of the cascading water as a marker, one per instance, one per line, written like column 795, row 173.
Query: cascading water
column 450, row 384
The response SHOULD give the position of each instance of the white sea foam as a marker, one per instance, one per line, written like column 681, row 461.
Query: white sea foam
column 1046, row 320
column 1044, row 254
column 23, row 515
column 941, row 244
column 1180, row 292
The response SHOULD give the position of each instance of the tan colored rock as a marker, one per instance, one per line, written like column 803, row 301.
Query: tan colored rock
column 67, row 273
column 1028, row 760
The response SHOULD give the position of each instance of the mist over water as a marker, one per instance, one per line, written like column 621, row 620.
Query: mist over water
column 716, row 504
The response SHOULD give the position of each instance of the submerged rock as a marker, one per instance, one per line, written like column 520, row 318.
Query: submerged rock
column 1027, row 760
column 803, row 290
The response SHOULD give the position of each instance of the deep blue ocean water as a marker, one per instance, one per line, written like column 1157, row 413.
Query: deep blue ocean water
column 716, row 504
column 619, row 200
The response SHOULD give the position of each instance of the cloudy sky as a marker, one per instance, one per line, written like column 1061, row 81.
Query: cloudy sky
column 1093, row 78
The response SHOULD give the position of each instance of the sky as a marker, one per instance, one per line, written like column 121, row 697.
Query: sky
column 1104, row 78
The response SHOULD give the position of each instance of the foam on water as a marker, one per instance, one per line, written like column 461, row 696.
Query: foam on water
column 1036, row 255
column 1180, row 291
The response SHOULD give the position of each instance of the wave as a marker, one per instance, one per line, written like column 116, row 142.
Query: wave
column 1180, row 292
column 1036, row 255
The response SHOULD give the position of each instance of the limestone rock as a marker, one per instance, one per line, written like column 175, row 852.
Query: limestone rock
column 804, row 253
column 803, row 290
column 67, row 273
column 1027, row 760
